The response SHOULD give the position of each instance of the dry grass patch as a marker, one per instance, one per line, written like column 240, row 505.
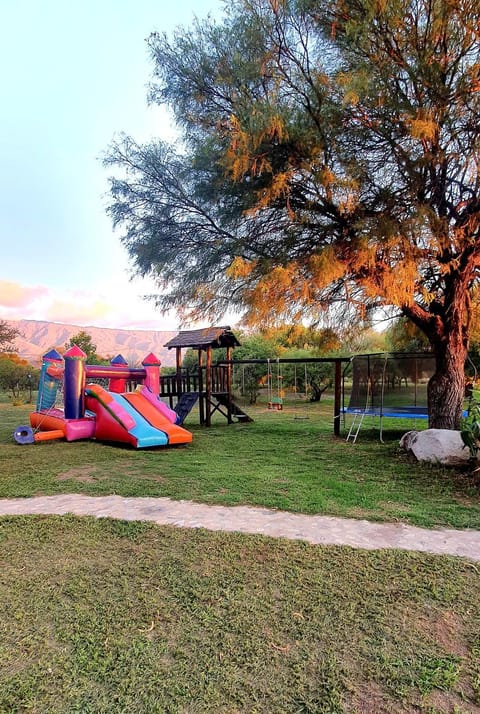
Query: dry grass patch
column 83, row 474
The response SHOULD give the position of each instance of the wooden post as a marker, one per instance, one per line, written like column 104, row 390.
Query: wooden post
column 208, row 386
column 201, row 396
column 229, row 384
column 338, row 397
column 179, row 372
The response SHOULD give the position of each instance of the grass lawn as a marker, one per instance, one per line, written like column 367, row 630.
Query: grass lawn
column 109, row 616
column 112, row 616
column 286, row 460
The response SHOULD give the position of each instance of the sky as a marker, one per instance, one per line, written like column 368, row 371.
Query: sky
column 75, row 76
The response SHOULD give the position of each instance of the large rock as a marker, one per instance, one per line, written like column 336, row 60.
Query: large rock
column 439, row 446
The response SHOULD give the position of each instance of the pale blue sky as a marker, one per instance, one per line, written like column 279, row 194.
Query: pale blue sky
column 74, row 75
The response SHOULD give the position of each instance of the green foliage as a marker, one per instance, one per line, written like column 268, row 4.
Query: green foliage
column 404, row 336
column 190, row 360
column 472, row 365
column 319, row 341
column 248, row 379
column 17, row 377
column 470, row 429
column 307, row 379
column 363, row 341
column 8, row 335
column 168, row 371
column 85, row 342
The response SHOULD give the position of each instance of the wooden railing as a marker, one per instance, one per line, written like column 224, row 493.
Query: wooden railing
column 174, row 385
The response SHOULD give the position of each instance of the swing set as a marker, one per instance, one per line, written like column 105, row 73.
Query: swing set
column 275, row 401
column 276, row 395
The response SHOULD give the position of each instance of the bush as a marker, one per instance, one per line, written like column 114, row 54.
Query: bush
column 470, row 430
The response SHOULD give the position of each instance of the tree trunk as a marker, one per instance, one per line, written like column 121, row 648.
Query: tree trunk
column 446, row 388
column 318, row 391
column 446, row 325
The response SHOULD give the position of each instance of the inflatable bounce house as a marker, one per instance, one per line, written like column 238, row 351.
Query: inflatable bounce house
column 138, row 418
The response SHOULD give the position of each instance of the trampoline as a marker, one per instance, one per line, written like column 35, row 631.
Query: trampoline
column 387, row 385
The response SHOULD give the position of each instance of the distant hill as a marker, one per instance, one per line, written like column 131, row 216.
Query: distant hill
column 39, row 337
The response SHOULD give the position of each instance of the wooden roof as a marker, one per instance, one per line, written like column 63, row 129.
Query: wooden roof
column 214, row 337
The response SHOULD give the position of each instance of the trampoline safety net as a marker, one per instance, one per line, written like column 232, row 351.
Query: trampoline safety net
column 389, row 385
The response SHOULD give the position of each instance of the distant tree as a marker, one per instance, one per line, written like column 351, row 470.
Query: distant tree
column 17, row 376
column 320, row 340
column 404, row 336
column 351, row 337
column 249, row 379
column 8, row 334
column 190, row 360
column 365, row 340
column 311, row 379
column 168, row 371
column 83, row 340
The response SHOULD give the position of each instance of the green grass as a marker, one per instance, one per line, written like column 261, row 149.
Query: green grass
column 101, row 616
column 283, row 460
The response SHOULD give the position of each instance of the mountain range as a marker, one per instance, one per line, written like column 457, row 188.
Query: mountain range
column 38, row 337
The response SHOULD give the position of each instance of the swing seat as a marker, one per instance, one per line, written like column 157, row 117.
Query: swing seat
column 276, row 403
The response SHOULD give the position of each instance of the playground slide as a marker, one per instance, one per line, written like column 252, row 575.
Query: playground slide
column 131, row 418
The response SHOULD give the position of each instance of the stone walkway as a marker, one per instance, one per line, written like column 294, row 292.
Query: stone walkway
column 324, row 530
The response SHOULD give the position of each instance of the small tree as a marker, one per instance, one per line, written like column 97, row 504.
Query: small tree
column 17, row 376
column 250, row 378
column 405, row 336
column 312, row 379
column 298, row 336
column 190, row 361
column 85, row 342
column 8, row 334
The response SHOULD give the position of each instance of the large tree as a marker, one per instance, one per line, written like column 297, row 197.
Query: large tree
column 330, row 153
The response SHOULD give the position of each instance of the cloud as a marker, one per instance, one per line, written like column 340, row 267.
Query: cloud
column 114, row 305
column 78, row 309
column 14, row 296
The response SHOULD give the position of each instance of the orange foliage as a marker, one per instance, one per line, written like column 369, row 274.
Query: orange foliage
column 244, row 154
column 15, row 358
column 240, row 268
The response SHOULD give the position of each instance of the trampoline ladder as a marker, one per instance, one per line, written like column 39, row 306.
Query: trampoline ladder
column 355, row 426
column 359, row 416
